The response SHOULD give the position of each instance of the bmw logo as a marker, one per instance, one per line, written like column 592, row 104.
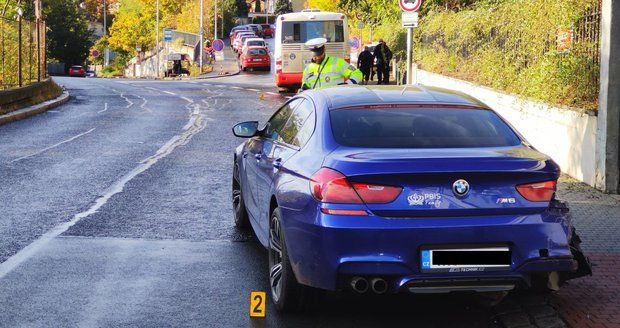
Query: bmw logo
column 460, row 187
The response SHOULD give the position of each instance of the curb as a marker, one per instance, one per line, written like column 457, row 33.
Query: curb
column 34, row 110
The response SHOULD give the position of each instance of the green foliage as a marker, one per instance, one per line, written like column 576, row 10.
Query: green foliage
column 241, row 9
column 68, row 37
column 510, row 45
column 257, row 7
column 282, row 7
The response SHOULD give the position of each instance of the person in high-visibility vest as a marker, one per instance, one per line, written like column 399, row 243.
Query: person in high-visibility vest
column 325, row 71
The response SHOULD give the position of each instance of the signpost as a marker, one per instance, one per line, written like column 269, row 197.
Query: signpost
column 410, row 21
column 218, row 45
column 168, row 35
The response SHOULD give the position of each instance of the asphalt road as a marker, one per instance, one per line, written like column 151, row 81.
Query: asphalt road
column 115, row 211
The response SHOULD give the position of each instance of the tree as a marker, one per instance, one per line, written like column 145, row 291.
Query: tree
column 68, row 36
column 241, row 9
column 257, row 8
column 282, row 7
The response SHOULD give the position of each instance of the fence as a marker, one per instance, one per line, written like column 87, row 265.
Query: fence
column 22, row 52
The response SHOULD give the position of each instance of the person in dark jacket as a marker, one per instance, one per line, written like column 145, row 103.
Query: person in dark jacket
column 364, row 63
column 384, row 56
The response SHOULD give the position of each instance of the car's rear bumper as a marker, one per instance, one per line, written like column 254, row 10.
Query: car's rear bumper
column 328, row 252
column 256, row 64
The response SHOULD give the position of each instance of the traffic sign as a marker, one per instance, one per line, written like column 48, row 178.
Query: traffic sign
column 354, row 42
column 168, row 35
column 95, row 53
column 409, row 5
column 410, row 19
column 218, row 45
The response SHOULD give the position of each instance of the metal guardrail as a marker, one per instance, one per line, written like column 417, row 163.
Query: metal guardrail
column 22, row 52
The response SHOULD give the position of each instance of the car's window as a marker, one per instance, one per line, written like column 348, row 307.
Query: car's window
column 300, row 32
column 299, row 126
column 421, row 128
column 277, row 121
column 257, row 52
column 255, row 43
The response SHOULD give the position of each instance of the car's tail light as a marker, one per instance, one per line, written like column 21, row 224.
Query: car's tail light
column 330, row 186
column 344, row 212
column 539, row 191
column 376, row 194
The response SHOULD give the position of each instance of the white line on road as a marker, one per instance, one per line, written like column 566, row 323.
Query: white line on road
column 170, row 93
column 105, row 107
column 255, row 90
column 271, row 93
column 198, row 123
column 129, row 102
column 52, row 146
column 237, row 88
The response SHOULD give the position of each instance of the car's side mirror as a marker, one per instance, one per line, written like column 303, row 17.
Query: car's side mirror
column 245, row 129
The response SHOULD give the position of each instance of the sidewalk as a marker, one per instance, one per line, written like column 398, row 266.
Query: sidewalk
column 229, row 66
column 591, row 301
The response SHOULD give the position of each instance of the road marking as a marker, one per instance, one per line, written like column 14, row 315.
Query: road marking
column 170, row 93
column 271, row 93
column 255, row 90
column 237, row 88
column 129, row 102
column 52, row 146
column 288, row 97
column 198, row 120
column 105, row 107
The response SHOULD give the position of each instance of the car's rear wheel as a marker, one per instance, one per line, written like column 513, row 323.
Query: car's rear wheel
column 241, row 214
column 287, row 294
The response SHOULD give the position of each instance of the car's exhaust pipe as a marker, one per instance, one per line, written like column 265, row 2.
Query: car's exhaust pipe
column 379, row 285
column 359, row 284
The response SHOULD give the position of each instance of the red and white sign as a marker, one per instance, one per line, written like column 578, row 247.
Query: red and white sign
column 95, row 53
column 410, row 5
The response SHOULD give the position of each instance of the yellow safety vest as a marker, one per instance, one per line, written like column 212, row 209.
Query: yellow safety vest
column 331, row 72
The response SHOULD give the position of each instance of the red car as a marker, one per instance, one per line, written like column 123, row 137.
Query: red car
column 77, row 70
column 256, row 58
column 267, row 30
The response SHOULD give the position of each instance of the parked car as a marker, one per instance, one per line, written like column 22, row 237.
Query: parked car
column 257, row 28
column 268, row 32
column 253, row 42
column 255, row 58
column 235, row 30
column 77, row 70
column 394, row 189
column 238, row 42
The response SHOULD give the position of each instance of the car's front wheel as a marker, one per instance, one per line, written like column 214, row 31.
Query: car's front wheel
column 287, row 294
column 241, row 214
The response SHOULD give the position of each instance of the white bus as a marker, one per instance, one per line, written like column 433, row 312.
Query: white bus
column 294, row 29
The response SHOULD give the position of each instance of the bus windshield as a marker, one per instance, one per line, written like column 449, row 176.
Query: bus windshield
column 300, row 32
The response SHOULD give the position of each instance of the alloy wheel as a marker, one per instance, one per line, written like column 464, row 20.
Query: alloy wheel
column 275, row 258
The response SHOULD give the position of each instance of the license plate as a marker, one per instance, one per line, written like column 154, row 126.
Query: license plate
column 257, row 60
column 465, row 259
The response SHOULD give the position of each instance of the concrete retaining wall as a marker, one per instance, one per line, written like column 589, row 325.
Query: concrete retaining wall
column 567, row 135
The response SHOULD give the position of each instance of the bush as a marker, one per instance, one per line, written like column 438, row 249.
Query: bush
column 510, row 45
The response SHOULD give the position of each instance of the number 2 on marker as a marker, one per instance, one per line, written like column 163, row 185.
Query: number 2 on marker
column 257, row 304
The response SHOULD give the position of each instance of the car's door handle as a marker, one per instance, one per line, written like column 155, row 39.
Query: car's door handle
column 244, row 154
column 277, row 163
column 258, row 156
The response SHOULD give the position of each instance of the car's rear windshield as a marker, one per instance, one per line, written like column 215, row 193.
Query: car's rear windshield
column 256, row 43
column 257, row 52
column 421, row 128
column 76, row 67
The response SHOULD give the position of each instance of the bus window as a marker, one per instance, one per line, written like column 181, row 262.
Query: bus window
column 300, row 32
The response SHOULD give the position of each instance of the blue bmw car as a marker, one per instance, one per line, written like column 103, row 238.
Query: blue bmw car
column 400, row 189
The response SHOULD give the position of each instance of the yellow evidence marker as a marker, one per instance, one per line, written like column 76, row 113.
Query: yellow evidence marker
column 257, row 304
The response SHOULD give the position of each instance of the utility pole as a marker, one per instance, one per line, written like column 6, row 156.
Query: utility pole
column 215, row 19
column 106, row 51
column 202, row 5
column 157, row 52
column 20, row 12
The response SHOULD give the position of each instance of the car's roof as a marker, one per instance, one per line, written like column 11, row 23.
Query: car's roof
column 256, row 47
column 255, row 39
column 351, row 96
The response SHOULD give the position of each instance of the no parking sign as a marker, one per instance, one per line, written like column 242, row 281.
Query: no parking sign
column 218, row 45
